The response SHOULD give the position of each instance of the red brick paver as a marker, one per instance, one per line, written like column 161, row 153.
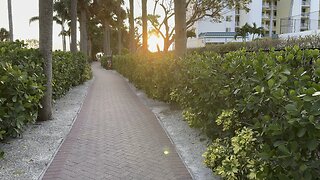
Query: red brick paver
column 115, row 137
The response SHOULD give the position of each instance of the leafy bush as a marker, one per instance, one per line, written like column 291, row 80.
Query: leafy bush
column 68, row 70
column 21, row 87
column 22, row 83
column 261, row 109
column 153, row 73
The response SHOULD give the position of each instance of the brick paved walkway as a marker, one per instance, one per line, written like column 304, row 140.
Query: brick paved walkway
column 115, row 137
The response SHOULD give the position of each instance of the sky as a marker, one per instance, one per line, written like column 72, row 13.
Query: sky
column 23, row 10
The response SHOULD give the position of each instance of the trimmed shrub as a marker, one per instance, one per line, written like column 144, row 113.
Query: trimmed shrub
column 22, row 83
column 261, row 109
column 68, row 70
column 307, row 42
column 153, row 73
column 21, row 87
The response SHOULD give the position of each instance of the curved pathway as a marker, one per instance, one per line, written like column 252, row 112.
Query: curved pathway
column 115, row 136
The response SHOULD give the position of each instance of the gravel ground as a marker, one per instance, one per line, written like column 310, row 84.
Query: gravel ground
column 190, row 143
column 27, row 157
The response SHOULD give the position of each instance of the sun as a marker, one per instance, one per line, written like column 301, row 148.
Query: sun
column 155, row 41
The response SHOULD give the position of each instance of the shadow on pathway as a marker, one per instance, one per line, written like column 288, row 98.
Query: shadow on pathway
column 115, row 136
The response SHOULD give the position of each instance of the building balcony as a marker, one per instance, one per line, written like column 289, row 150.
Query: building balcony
column 305, row 15
column 305, row 3
column 266, row 6
column 266, row 16
column 304, row 26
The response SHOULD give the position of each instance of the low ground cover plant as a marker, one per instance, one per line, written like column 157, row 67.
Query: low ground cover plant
column 261, row 109
column 22, row 83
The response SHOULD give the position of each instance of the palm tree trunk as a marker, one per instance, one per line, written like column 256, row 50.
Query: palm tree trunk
column 90, row 49
column 73, row 13
column 144, row 26
column 83, row 31
column 131, row 28
column 10, row 20
column 106, row 42
column 119, row 41
column 45, row 47
column 180, row 27
column 63, row 37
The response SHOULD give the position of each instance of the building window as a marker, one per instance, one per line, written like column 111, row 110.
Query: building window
column 228, row 18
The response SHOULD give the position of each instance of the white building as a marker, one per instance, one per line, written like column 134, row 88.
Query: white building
column 275, row 16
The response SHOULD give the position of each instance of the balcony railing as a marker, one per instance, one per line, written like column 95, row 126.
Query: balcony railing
column 266, row 5
column 305, row 15
column 305, row 3
column 266, row 16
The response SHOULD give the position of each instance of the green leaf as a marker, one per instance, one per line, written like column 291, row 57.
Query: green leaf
column 14, row 99
column 316, row 93
column 312, row 144
column 286, row 72
column 271, row 83
column 291, row 108
column 303, row 167
column 301, row 132
column 308, row 98
column 278, row 143
column 269, row 75
column 283, row 149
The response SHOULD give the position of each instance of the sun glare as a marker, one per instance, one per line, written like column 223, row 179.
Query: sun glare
column 155, row 41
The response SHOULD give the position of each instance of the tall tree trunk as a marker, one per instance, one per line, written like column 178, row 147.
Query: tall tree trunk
column 106, row 41
column 63, row 36
column 83, row 31
column 90, row 49
column 73, row 13
column 45, row 47
column 144, row 26
column 10, row 20
column 131, row 28
column 180, row 27
column 119, row 41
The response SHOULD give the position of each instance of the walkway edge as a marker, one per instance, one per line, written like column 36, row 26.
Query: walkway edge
column 73, row 121
column 132, row 87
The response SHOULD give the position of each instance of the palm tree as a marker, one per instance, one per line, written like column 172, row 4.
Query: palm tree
column 131, row 27
column 63, row 14
column 4, row 35
column 45, row 48
column 144, row 26
column 73, row 27
column 10, row 20
column 105, row 12
column 180, row 8
column 83, row 19
column 121, row 15
column 243, row 32
column 256, row 30
column 56, row 19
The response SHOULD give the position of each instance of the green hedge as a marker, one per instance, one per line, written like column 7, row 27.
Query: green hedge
column 68, row 70
column 307, row 42
column 22, row 83
column 261, row 109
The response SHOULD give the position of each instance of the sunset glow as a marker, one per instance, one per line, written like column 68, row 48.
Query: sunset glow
column 153, row 41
